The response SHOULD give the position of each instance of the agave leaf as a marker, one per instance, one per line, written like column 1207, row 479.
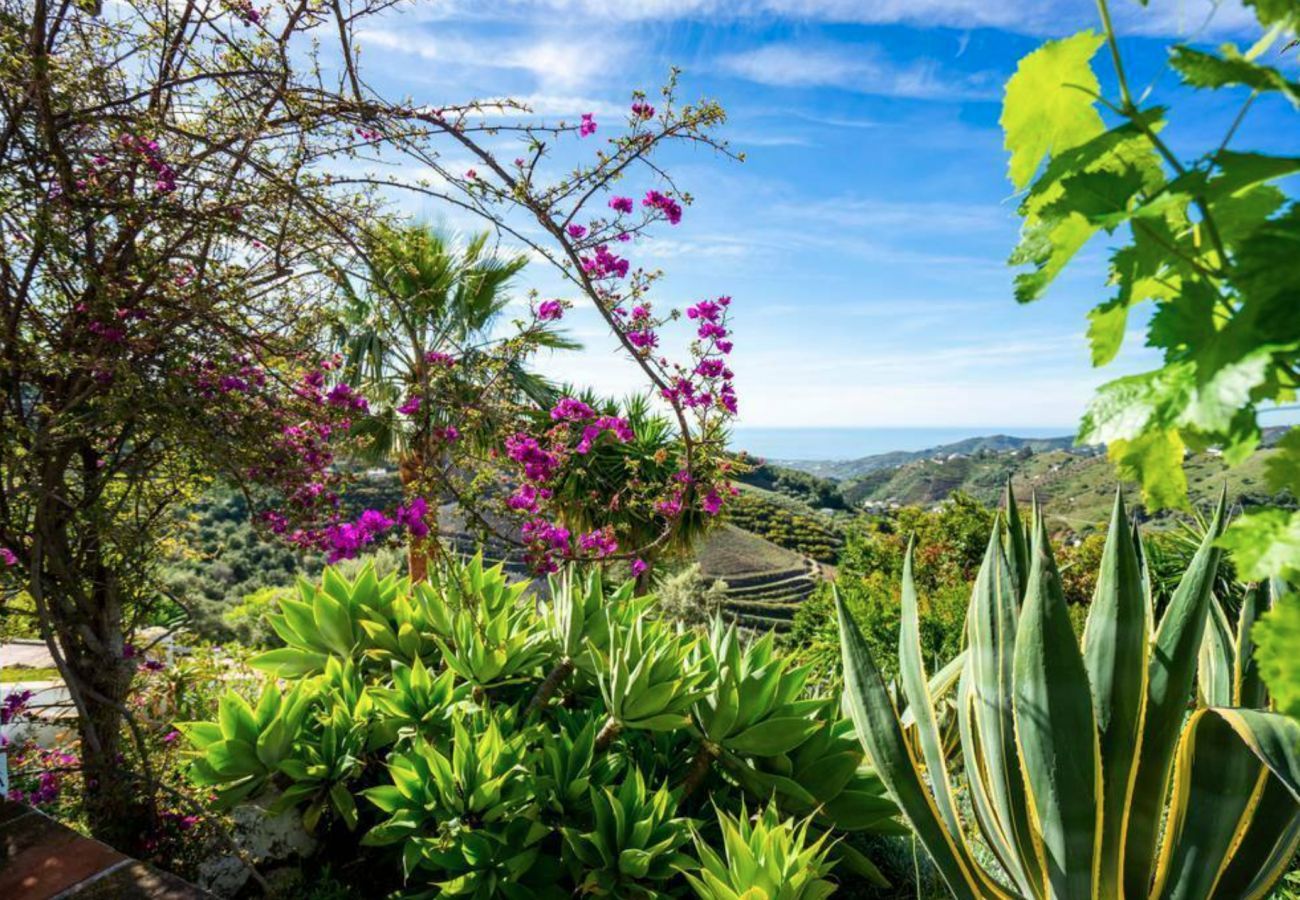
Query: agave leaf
column 1248, row 687
column 881, row 734
column 991, row 633
column 1216, row 663
column 1217, row 785
column 1169, row 686
column 919, row 701
column 1057, row 733
column 1115, row 650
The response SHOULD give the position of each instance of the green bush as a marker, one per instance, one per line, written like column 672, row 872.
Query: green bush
column 466, row 739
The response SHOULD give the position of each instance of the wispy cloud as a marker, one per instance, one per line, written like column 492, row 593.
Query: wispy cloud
column 860, row 68
column 556, row 63
column 1164, row 17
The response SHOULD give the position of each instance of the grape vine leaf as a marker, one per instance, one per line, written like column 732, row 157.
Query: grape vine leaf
column 1155, row 460
column 1272, row 12
column 1265, row 543
column 1207, row 70
column 1282, row 468
column 1277, row 652
column 1049, row 103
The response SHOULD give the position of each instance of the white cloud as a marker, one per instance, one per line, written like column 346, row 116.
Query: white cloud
column 557, row 63
column 860, row 68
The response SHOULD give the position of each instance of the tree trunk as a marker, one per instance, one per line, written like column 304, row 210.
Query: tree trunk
column 419, row 551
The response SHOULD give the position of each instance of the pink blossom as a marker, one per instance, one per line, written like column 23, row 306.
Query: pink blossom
column 576, row 231
column 8, row 557
column 712, row 503
column 638, row 566
column 442, row 360
column 550, row 310
column 621, row 204
column 588, row 126
column 410, row 406
column 671, row 209
column 599, row 543
column 571, row 409
column 642, row 110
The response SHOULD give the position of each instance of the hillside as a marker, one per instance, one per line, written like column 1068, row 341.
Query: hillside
column 1077, row 489
column 994, row 443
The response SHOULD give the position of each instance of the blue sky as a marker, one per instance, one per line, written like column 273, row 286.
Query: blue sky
column 864, row 238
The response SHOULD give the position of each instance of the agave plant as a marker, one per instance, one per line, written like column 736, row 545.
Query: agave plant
column 765, row 859
column 1074, row 755
column 578, row 617
column 464, row 816
column 755, row 704
column 570, row 769
column 417, row 702
column 341, row 618
column 634, row 844
column 239, row 753
column 650, row 679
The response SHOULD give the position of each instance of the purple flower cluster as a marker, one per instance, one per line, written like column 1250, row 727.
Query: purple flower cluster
column 671, row 209
column 14, row 704
column 410, row 406
column 576, row 231
column 440, row 360
column 8, row 557
column 545, row 541
column 550, row 310
column 604, row 264
column 346, row 540
column 588, row 126
column 164, row 176
column 599, row 543
column 643, row 111
column 538, row 464
column 621, row 205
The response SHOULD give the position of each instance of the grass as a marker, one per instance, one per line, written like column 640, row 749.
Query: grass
column 11, row 674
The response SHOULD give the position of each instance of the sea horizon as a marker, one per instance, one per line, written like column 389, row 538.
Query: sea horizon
column 846, row 443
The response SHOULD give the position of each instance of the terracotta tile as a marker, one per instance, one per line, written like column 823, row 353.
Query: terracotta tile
column 43, row 859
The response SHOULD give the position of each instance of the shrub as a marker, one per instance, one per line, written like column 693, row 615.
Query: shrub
column 465, row 737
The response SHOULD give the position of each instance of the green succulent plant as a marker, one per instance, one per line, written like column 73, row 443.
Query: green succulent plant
column 569, row 767
column 650, row 678
column 755, row 704
column 418, row 702
column 240, row 752
column 763, row 858
column 1075, row 755
column 344, row 619
column 633, row 846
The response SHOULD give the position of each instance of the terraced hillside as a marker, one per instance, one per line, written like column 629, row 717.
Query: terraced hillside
column 765, row 583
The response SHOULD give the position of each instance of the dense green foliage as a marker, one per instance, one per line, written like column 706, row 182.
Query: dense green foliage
column 1212, row 242
column 1069, row 747
column 459, row 735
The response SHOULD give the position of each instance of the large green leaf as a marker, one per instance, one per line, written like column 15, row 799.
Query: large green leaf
column 1115, row 655
column 1169, row 688
column 1277, row 637
column 1057, row 733
column 1049, row 103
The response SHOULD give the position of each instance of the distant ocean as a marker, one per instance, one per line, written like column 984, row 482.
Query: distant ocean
column 854, row 443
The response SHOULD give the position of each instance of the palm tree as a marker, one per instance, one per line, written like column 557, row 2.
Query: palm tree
column 608, row 488
column 418, row 343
